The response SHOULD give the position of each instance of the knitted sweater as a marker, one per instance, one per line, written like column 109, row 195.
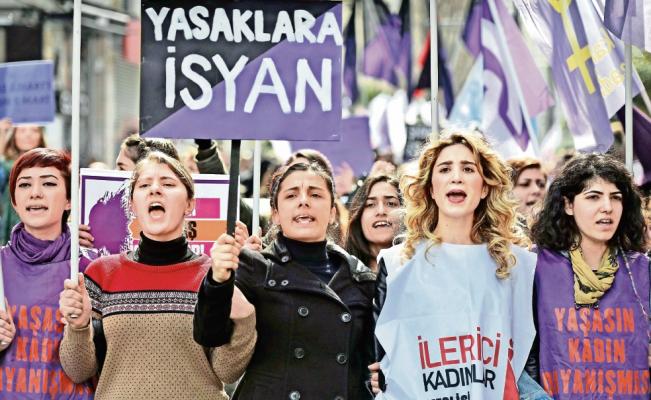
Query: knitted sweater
column 146, row 313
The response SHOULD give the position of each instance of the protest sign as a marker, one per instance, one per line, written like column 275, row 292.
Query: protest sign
column 27, row 92
column 105, row 207
column 353, row 149
column 241, row 70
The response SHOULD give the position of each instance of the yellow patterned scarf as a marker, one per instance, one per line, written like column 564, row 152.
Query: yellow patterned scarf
column 590, row 285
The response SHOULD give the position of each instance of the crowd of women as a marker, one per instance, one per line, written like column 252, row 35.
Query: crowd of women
column 468, row 278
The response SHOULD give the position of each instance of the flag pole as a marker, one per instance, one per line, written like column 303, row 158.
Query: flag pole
column 257, row 153
column 628, row 107
column 511, row 70
column 434, row 66
column 74, row 167
column 233, row 187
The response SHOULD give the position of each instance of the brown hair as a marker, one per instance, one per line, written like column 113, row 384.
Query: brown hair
column 137, row 147
column 519, row 164
column 161, row 158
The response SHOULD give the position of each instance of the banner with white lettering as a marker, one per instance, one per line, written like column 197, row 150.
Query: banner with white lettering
column 450, row 328
column 105, row 207
column 241, row 70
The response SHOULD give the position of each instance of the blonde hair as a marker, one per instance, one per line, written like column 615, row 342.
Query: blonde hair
column 495, row 216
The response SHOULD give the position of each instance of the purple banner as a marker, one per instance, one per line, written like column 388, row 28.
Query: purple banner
column 629, row 21
column 27, row 91
column 353, row 149
column 241, row 70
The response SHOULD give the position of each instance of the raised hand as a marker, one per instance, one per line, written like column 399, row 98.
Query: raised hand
column 225, row 253
column 74, row 303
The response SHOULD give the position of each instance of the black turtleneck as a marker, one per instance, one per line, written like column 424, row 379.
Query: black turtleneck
column 153, row 252
column 314, row 256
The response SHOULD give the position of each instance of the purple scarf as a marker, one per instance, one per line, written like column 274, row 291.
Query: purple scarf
column 33, row 272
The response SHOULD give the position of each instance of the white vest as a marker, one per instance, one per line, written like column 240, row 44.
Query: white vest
column 440, row 304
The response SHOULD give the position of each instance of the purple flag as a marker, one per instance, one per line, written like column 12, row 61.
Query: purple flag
column 387, row 50
column 586, row 65
column 501, row 111
column 27, row 91
column 354, row 147
column 629, row 20
column 641, row 139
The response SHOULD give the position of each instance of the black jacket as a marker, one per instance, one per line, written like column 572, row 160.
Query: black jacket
column 315, row 341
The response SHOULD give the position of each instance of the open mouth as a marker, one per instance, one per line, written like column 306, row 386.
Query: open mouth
column 456, row 196
column 304, row 219
column 36, row 208
column 382, row 224
column 156, row 209
column 531, row 203
column 605, row 222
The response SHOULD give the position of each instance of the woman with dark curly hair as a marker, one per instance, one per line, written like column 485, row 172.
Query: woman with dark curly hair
column 374, row 218
column 592, row 285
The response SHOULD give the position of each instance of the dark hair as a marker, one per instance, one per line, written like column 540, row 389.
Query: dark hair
column 280, row 176
column 175, row 165
column 11, row 151
column 555, row 230
column 313, row 157
column 137, row 148
column 356, row 242
column 41, row 157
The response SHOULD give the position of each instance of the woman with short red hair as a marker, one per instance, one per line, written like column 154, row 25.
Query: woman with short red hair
column 35, row 263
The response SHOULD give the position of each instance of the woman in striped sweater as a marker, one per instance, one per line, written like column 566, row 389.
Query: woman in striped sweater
column 145, row 300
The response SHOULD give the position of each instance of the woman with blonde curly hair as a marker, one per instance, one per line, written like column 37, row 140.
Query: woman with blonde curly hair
column 453, row 319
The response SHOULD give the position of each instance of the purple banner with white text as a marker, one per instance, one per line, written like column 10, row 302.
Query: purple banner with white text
column 241, row 70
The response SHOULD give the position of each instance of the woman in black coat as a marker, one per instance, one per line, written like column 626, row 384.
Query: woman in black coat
column 313, row 300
